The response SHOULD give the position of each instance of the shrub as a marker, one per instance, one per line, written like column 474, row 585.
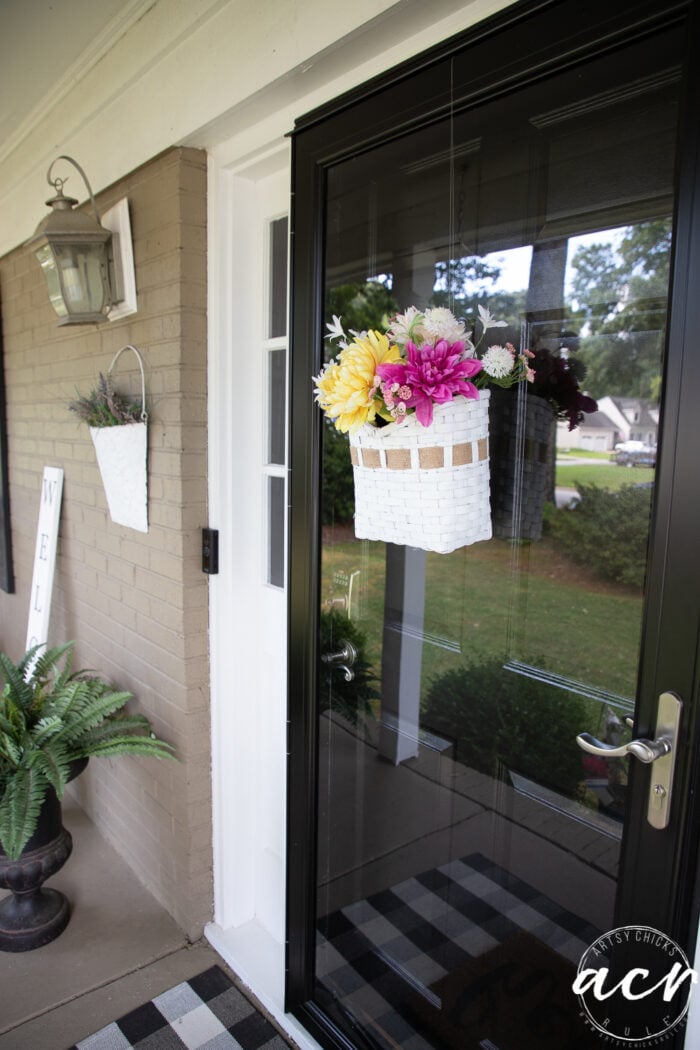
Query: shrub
column 607, row 532
column 347, row 698
column 338, row 485
column 495, row 715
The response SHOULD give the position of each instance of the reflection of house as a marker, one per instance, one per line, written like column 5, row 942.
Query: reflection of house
column 617, row 419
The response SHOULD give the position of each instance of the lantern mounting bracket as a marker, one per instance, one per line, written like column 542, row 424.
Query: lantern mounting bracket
column 58, row 183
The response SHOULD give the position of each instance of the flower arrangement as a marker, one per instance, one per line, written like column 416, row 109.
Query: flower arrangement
column 106, row 407
column 422, row 360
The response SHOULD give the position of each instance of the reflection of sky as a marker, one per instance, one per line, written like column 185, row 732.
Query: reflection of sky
column 514, row 263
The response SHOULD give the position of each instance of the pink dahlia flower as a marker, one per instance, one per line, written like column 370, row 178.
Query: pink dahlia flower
column 434, row 374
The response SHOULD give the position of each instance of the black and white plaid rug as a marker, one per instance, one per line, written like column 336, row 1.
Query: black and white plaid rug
column 369, row 955
column 205, row 1013
column 372, row 955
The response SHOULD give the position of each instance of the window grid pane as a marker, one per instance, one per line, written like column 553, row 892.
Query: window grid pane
column 275, row 504
column 277, row 320
column 275, row 439
column 276, row 401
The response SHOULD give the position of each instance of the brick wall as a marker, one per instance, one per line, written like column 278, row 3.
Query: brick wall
column 136, row 603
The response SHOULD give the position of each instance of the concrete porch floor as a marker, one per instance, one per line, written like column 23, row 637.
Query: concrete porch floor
column 119, row 950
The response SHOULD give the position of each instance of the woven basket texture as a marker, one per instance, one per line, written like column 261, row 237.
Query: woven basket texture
column 425, row 487
column 521, row 464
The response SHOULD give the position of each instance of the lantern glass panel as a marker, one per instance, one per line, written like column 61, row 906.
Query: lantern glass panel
column 81, row 275
column 50, row 271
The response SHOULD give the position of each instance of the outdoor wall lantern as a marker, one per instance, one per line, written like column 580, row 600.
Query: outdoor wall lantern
column 80, row 259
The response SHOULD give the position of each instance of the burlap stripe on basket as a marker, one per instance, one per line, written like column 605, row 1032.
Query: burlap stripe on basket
column 431, row 458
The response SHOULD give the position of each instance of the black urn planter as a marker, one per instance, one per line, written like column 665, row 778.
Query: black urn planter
column 33, row 916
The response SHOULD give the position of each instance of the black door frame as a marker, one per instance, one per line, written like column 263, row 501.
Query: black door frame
column 551, row 35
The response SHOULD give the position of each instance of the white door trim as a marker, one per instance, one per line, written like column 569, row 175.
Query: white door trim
column 248, row 618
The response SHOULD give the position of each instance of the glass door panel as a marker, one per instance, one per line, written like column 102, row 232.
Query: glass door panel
column 468, row 850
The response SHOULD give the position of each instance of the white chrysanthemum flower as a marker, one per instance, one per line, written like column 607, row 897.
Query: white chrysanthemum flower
column 406, row 326
column 498, row 362
column 441, row 323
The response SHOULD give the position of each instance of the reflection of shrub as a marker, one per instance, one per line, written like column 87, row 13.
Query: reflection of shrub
column 607, row 532
column 347, row 698
column 498, row 715
column 338, row 487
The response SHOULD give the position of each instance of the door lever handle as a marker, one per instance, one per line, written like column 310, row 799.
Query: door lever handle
column 662, row 751
column 346, row 655
column 645, row 750
column 343, row 660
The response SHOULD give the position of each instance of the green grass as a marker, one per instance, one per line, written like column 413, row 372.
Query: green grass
column 609, row 476
column 478, row 604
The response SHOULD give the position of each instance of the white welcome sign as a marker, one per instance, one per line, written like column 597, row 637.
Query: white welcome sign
column 45, row 557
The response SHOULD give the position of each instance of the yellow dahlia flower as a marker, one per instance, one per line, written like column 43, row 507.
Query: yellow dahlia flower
column 345, row 388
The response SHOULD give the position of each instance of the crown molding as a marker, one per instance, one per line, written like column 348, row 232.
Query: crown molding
column 130, row 13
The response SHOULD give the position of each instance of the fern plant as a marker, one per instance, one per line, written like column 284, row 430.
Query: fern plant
column 50, row 717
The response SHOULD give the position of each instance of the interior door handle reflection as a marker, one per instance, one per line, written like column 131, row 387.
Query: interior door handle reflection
column 343, row 660
column 661, row 751
column 645, row 750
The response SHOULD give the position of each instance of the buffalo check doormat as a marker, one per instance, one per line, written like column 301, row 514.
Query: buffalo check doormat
column 205, row 1013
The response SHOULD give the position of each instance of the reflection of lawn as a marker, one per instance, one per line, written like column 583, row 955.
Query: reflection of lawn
column 474, row 598
column 608, row 475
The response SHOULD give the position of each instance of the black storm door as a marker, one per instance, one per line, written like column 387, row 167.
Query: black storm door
column 453, row 847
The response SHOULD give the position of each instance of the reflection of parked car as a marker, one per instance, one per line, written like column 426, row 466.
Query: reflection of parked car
column 631, row 446
column 635, row 454
column 641, row 457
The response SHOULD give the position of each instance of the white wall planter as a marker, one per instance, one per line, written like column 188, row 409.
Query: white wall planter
column 122, row 456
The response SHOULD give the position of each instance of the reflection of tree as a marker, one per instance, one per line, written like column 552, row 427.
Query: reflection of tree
column 454, row 277
column 338, row 496
column 620, row 293
column 461, row 285
column 360, row 306
column 455, row 288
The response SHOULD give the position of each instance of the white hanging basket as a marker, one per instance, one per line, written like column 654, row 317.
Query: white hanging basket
column 122, row 456
column 425, row 487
